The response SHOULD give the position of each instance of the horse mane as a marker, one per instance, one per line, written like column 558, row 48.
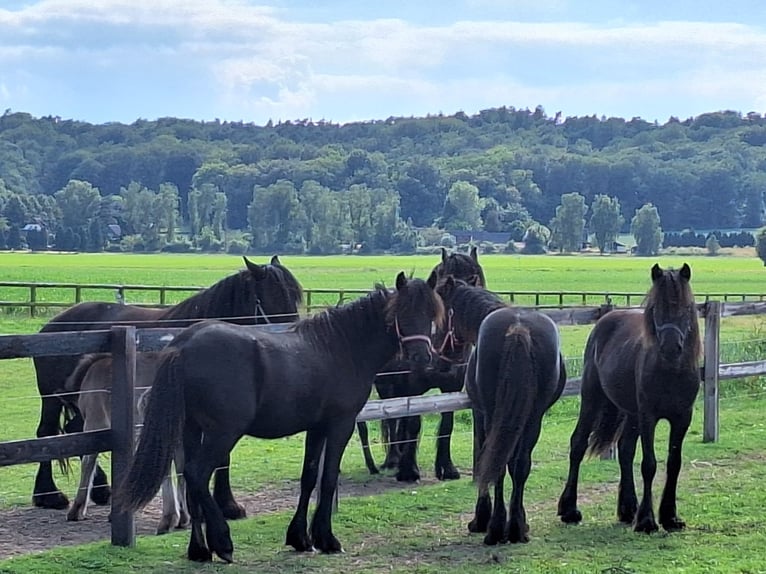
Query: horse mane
column 672, row 291
column 235, row 295
column 475, row 302
column 336, row 322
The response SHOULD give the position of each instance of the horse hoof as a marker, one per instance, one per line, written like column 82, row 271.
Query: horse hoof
column 101, row 496
column 476, row 527
column 408, row 476
column 492, row 539
column 373, row 470
column 53, row 500
column 673, row 525
column 571, row 517
column 234, row 511
column 198, row 554
column 447, row 473
column 74, row 516
column 226, row 556
column 647, row 526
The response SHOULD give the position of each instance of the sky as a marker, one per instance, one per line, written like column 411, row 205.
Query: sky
column 356, row 60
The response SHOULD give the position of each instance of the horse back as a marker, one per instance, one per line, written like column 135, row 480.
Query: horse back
column 544, row 353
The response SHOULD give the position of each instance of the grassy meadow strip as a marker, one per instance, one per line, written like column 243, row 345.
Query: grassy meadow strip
column 422, row 528
column 612, row 274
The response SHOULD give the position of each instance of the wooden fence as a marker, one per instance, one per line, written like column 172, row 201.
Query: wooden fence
column 32, row 296
column 125, row 341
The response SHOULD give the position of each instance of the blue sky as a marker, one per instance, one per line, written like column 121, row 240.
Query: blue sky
column 344, row 60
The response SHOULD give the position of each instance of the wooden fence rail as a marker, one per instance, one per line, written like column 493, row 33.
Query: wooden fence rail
column 30, row 296
column 125, row 341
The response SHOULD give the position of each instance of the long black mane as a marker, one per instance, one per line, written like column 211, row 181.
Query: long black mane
column 236, row 296
column 342, row 323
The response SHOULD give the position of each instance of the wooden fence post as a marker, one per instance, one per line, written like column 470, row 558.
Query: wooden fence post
column 710, row 425
column 123, row 382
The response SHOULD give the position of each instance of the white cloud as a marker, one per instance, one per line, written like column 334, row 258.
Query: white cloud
column 262, row 61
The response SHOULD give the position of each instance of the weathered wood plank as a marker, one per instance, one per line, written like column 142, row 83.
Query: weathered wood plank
column 738, row 370
column 63, row 343
column 710, row 380
column 737, row 309
column 123, row 401
column 54, row 447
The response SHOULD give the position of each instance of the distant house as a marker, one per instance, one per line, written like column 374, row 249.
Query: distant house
column 113, row 232
column 477, row 236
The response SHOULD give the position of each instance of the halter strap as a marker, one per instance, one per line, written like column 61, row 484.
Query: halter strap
column 668, row 326
column 259, row 310
column 406, row 339
column 450, row 340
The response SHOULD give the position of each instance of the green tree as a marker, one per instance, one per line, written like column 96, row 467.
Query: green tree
column 760, row 244
column 568, row 225
column 605, row 220
column 645, row 228
column 168, row 202
column 462, row 208
column 79, row 202
column 712, row 245
column 536, row 238
column 276, row 218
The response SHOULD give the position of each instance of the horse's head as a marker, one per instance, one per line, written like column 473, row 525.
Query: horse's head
column 276, row 293
column 412, row 311
column 670, row 318
column 460, row 266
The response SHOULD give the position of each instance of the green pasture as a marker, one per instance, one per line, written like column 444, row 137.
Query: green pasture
column 421, row 528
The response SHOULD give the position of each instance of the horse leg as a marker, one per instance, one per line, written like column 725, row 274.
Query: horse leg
column 444, row 467
column 407, row 439
column 668, row 515
column 645, row 521
column 297, row 533
column 627, row 503
column 213, row 451
column 364, row 438
column 483, row 510
column 390, row 431
column 591, row 404
column 496, row 529
column 519, row 468
column 170, row 514
column 80, row 505
column 101, row 493
column 45, row 493
column 223, row 495
column 197, row 550
column 338, row 436
column 183, row 506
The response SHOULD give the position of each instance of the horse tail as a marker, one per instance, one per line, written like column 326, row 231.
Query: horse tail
column 607, row 428
column 69, row 394
column 514, row 398
column 161, row 434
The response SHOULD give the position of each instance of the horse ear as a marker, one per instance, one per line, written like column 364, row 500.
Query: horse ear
column 444, row 255
column 432, row 279
column 401, row 280
column 686, row 272
column 275, row 260
column 656, row 272
column 256, row 270
column 475, row 253
column 474, row 280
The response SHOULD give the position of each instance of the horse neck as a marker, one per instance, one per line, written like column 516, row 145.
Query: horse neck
column 214, row 302
column 356, row 333
column 471, row 305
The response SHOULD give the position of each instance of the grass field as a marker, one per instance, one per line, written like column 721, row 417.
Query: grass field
column 422, row 528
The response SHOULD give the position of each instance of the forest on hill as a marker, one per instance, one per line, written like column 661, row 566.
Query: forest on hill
column 305, row 186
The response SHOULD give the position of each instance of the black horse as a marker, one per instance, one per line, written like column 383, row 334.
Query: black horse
column 400, row 436
column 515, row 373
column 218, row 382
column 639, row 367
column 257, row 294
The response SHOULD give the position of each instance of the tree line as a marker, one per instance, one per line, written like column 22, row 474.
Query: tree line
column 387, row 185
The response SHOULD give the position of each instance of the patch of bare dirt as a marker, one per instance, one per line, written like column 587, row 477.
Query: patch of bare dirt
column 25, row 530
